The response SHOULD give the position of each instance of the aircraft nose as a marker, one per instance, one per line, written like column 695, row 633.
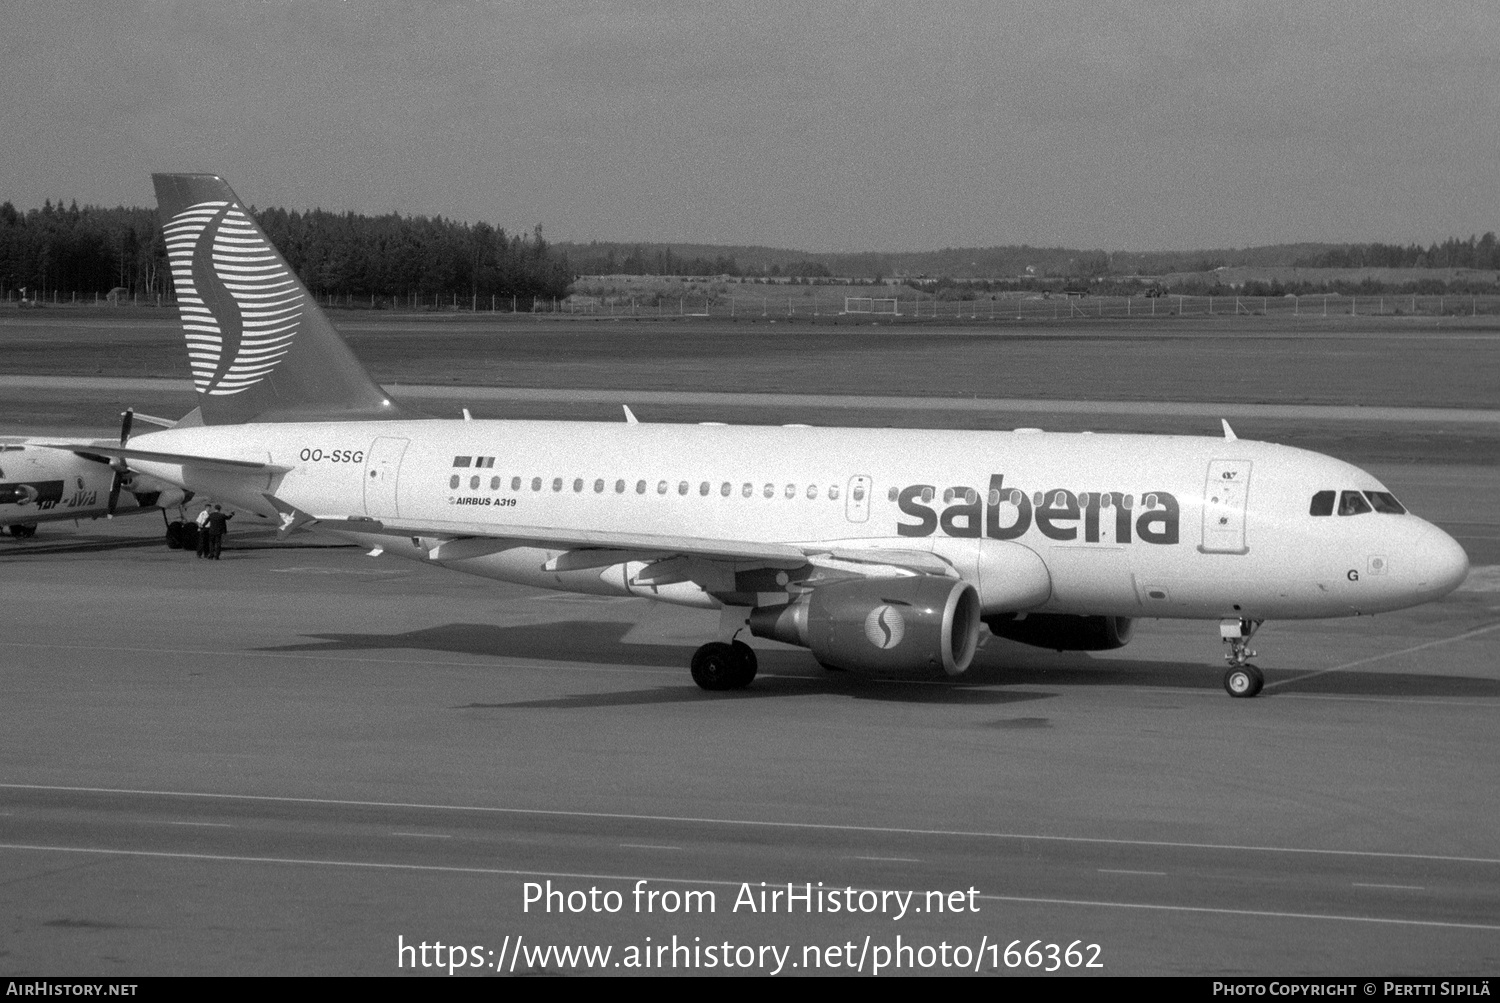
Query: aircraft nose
column 1440, row 563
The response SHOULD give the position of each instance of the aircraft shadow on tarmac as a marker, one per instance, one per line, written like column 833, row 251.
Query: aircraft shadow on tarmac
column 789, row 672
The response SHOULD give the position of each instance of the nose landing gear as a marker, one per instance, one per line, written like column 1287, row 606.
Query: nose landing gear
column 1242, row 679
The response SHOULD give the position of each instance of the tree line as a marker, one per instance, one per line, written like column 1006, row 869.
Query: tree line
column 638, row 259
column 89, row 251
column 1476, row 252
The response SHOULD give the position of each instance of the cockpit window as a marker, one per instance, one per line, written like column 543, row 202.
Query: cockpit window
column 1352, row 503
column 1322, row 503
column 1385, row 502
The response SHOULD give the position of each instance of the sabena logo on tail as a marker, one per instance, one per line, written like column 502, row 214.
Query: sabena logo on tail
column 241, row 307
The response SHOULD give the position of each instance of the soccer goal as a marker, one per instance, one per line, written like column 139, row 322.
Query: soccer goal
column 872, row 305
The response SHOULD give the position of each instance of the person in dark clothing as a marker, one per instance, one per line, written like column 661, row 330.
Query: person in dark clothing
column 218, row 525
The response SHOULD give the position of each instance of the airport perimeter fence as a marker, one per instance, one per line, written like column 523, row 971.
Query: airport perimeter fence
column 1026, row 308
column 1029, row 307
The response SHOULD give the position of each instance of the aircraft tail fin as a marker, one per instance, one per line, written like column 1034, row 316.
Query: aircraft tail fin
column 259, row 347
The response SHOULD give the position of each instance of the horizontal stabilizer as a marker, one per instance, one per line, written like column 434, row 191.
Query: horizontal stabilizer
column 152, row 456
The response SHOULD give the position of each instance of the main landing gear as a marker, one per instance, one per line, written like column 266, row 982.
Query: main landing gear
column 1242, row 679
column 720, row 666
column 22, row 531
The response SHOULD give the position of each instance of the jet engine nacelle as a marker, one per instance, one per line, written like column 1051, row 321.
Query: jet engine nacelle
column 888, row 625
column 1064, row 632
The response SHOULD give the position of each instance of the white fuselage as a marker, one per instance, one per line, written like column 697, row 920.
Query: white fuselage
column 1126, row 525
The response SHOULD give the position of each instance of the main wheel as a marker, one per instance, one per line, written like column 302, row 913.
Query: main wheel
column 1244, row 681
column 749, row 665
column 23, row 531
column 717, row 667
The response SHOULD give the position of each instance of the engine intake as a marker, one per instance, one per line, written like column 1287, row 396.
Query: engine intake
column 888, row 625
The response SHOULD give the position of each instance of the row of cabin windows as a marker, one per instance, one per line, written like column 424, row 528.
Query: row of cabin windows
column 747, row 489
column 726, row 489
column 1355, row 503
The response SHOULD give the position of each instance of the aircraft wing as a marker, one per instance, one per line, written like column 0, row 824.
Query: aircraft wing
column 612, row 547
column 150, row 455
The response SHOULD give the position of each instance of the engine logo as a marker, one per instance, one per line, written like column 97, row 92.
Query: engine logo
column 885, row 626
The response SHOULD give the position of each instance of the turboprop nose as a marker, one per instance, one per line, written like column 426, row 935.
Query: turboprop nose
column 1439, row 563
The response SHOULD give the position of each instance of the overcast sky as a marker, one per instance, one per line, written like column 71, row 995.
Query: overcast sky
column 817, row 126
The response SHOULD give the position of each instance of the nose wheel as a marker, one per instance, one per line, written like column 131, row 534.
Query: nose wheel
column 1242, row 679
column 720, row 666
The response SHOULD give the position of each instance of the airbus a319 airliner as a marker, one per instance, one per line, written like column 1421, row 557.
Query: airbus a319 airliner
column 883, row 551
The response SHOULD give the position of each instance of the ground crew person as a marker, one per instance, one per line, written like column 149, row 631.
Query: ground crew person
column 218, row 525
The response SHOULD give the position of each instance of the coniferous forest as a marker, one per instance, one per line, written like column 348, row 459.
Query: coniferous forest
column 80, row 253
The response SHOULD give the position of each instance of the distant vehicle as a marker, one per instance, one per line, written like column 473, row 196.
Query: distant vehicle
column 39, row 483
column 884, row 551
column 1155, row 292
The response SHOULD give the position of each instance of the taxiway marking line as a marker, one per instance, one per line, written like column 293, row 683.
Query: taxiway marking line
column 204, row 825
column 891, row 860
column 1405, row 888
column 1151, row 874
column 648, row 846
column 1388, row 654
column 423, row 835
column 759, row 823
column 501, row 872
column 874, row 402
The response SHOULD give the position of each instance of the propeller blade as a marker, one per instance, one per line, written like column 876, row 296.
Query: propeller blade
column 114, row 491
column 127, row 419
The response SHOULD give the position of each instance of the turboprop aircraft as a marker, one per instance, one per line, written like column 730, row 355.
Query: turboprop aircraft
column 41, row 483
column 883, row 551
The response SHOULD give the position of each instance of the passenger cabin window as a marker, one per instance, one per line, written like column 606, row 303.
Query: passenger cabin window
column 494, row 484
column 1385, row 503
column 515, row 483
column 453, row 481
column 1322, row 503
column 474, row 482
column 1352, row 503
